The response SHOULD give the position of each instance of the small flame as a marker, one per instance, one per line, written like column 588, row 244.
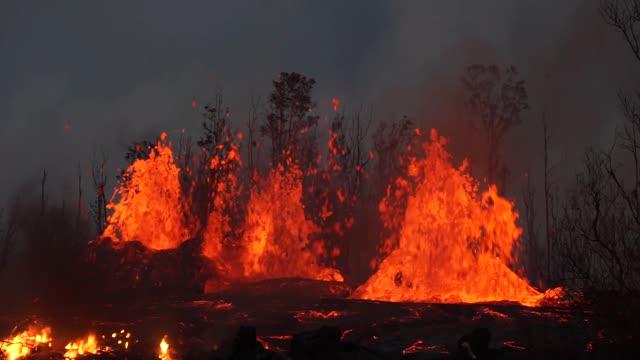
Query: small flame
column 81, row 347
column 25, row 343
column 164, row 349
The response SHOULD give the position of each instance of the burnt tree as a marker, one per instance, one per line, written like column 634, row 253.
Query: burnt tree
column 597, row 242
column 290, row 116
column 531, row 228
column 624, row 17
column 139, row 150
column 339, row 185
column 99, row 177
column 395, row 142
column 8, row 230
column 548, row 198
column 219, row 157
column 497, row 97
column 253, row 149
column 604, row 208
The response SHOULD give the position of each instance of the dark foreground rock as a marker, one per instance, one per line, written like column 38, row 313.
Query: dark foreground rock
column 292, row 289
column 130, row 266
column 475, row 345
column 326, row 343
column 292, row 318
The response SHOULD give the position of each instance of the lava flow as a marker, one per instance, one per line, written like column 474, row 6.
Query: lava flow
column 453, row 246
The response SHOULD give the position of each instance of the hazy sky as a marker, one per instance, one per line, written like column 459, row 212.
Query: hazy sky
column 120, row 71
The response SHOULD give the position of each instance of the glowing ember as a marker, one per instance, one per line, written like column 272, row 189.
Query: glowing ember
column 25, row 343
column 420, row 346
column 277, row 234
column 512, row 344
column 81, row 347
column 151, row 207
column 559, row 317
column 493, row 313
column 314, row 315
column 453, row 245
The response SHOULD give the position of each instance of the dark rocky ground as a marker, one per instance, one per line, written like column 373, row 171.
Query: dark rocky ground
column 304, row 319
column 126, row 288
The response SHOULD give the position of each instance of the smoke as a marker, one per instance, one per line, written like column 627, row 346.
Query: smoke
column 572, row 62
column 123, row 71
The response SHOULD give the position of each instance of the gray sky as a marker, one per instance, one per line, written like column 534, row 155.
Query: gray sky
column 120, row 71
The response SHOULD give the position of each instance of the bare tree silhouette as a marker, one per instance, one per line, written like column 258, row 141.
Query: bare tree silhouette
column 498, row 97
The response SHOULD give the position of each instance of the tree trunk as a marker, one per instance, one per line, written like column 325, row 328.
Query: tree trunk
column 547, row 194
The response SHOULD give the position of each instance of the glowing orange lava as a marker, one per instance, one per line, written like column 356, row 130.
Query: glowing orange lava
column 151, row 206
column 453, row 244
column 277, row 234
column 219, row 223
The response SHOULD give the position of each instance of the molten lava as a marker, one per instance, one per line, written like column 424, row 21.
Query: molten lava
column 277, row 236
column 453, row 244
column 274, row 237
column 219, row 222
column 151, row 206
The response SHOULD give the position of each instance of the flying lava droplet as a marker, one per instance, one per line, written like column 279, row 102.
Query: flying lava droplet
column 66, row 127
column 194, row 104
column 336, row 103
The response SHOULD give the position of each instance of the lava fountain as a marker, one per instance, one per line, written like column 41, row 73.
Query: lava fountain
column 151, row 206
column 453, row 245
column 277, row 235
